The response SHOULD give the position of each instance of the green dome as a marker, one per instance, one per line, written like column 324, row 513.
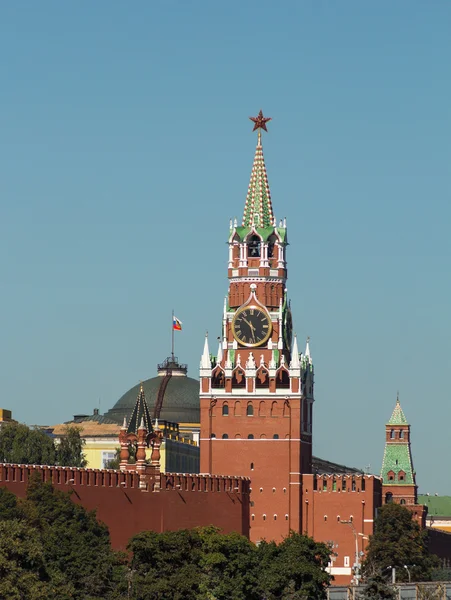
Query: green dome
column 180, row 400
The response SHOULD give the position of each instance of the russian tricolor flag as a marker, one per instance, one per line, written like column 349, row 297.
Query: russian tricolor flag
column 176, row 324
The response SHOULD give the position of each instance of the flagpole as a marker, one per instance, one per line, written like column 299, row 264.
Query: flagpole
column 172, row 328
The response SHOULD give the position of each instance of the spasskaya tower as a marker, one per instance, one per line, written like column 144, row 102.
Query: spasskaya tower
column 256, row 394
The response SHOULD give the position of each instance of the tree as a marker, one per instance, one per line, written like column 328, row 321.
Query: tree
column 228, row 565
column 24, row 446
column 70, row 448
column 9, row 506
column 21, row 445
column 398, row 541
column 377, row 588
column 22, row 563
column 76, row 546
column 202, row 564
column 165, row 565
column 294, row 569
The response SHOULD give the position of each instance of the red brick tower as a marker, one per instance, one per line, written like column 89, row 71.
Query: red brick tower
column 256, row 394
column 397, row 472
column 398, row 476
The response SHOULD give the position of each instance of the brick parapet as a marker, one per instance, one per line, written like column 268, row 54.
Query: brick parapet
column 166, row 501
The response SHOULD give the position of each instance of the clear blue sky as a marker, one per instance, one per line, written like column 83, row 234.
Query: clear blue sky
column 125, row 149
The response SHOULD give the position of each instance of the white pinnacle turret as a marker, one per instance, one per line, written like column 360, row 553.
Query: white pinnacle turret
column 205, row 360
column 219, row 357
column 307, row 351
column 295, row 363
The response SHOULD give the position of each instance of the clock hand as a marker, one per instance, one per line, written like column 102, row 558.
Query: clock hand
column 249, row 323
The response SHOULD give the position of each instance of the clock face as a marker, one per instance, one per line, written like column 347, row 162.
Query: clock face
column 251, row 326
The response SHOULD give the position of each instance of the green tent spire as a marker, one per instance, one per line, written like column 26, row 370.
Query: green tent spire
column 258, row 208
column 398, row 417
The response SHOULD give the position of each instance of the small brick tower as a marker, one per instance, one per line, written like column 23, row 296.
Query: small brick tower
column 397, row 472
column 256, row 394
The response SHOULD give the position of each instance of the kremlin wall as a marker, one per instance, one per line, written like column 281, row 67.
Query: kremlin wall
column 246, row 426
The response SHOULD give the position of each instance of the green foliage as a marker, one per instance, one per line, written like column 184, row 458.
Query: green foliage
column 116, row 461
column 70, row 448
column 294, row 569
column 376, row 588
column 398, row 541
column 24, row 446
column 22, row 563
column 54, row 548
column 202, row 564
column 228, row 565
column 75, row 544
column 9, row 506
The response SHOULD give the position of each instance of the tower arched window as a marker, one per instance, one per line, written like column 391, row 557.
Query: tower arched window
column 250, row 410
column 225, row 410
column 388, row 498
column 402, row 501
column 401, row 434
column 253, row 247
column 262, row 378
column 239, row 378
column 250, row 436
column 392, row 434
column 225, row 436
column 218, row 378
column 282, row 379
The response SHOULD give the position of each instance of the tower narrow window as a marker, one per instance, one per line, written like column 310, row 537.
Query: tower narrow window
column 225, row 436
column 401, row 434
column 250, row 436
column 250, row 410
column 225, row 410
column 392, row 434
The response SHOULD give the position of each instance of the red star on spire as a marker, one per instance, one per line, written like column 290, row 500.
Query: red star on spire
column 260, row 121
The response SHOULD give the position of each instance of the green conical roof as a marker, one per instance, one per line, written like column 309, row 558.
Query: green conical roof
column 258, row 207
column 398, row 417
